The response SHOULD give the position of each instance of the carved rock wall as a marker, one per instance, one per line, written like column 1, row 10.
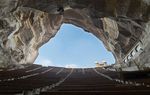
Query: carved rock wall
column 25, row 25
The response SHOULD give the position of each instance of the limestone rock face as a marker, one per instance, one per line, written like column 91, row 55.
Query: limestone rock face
column 26, row 25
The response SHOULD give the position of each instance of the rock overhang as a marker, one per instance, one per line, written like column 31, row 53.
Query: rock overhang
column 26, row 25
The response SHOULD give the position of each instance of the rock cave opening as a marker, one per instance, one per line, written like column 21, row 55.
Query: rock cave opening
column 73, row 47
column 26, row 26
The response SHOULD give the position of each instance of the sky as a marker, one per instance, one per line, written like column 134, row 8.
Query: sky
column 73, row 47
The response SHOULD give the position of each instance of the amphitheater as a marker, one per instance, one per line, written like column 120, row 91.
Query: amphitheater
column 122, row 25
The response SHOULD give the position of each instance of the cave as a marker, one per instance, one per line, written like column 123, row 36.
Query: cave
column 122, row 26
column 27, row 25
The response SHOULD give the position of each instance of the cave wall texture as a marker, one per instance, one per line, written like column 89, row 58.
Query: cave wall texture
column 26, row 25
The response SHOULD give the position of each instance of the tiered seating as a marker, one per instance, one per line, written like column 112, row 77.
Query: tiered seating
column 35, row 79
column 132, row 76
column 142, row 77
column 16, row 73
column 91, row 83
column 112, row 74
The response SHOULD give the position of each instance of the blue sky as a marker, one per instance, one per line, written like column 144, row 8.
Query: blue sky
column 73, row 47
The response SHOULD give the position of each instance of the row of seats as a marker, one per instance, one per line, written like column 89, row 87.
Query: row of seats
column 6, row 74
column 33, row 79
column 41, row 77
column 91, row 83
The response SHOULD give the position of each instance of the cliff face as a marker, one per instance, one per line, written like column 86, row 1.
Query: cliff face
column 25, row 25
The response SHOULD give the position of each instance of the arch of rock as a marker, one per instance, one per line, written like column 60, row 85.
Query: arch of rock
column 25, row 25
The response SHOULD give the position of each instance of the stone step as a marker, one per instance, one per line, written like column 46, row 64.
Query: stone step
column 143, row 92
